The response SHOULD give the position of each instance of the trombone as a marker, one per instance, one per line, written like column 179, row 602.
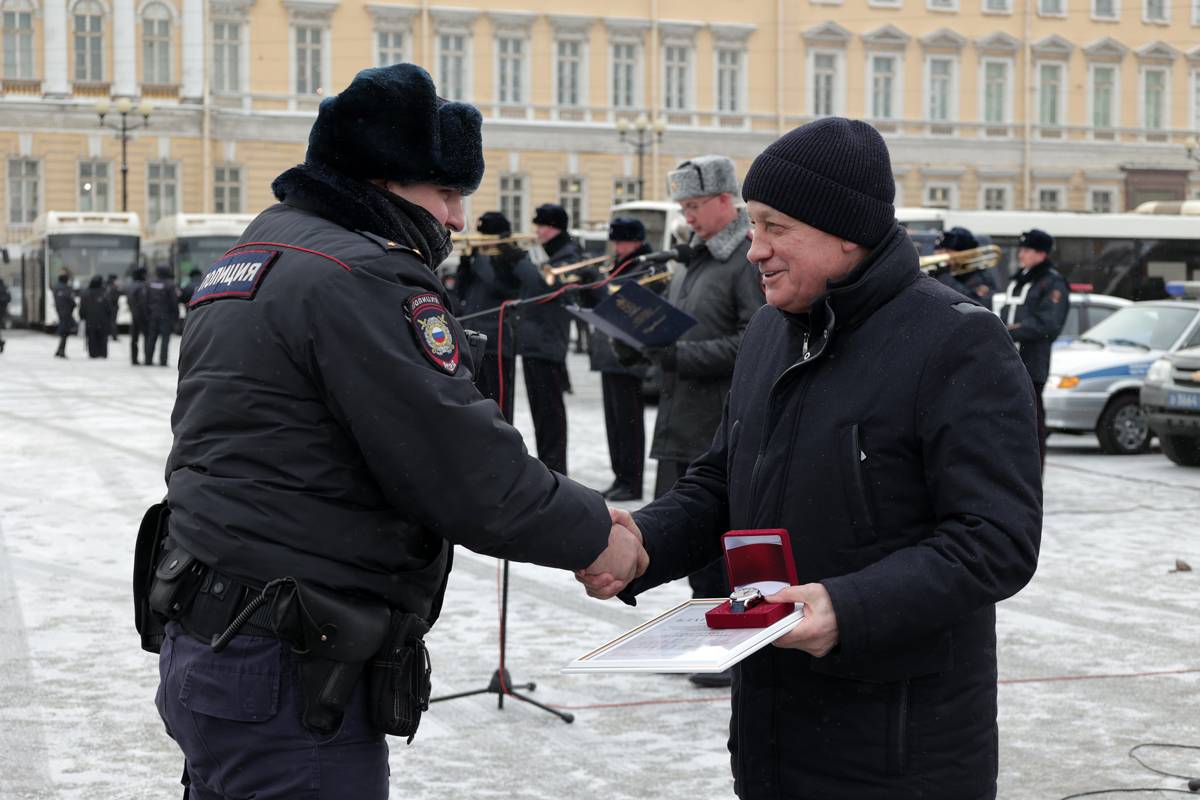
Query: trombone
column 488, row 244
column 961, row 262
column 551, row 274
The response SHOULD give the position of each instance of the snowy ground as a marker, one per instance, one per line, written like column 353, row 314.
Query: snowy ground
column 82, row 447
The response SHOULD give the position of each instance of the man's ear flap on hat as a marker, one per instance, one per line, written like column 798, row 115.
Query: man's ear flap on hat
column 459, row 127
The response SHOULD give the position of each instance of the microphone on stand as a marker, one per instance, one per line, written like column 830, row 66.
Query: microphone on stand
column 680, row 252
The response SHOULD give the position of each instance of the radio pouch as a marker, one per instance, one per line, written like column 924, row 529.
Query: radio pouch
column 398, row 679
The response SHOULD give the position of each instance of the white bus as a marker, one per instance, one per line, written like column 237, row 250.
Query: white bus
column 184, row 242
column 79, row 243
column 1128, row 255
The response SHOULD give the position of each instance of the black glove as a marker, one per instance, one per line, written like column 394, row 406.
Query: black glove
column 663, row 357
column 628, row 356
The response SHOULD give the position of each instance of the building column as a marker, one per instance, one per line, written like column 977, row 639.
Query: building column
column 55, row 46
column 124, row 37
column 194, row 35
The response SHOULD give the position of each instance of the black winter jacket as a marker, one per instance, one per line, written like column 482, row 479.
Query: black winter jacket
column 162, row 299
column 316, row 435
column 94, row 308
column 1038, row 302
column 893, row 435
column 544, row 329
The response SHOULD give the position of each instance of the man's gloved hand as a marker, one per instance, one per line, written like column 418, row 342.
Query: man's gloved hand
column 628, row 356
column 663, row 357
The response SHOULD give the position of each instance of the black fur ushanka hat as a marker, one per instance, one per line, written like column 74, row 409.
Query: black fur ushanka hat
column 390, row 123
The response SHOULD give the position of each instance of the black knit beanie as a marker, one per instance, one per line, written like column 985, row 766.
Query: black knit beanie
column 834, row 174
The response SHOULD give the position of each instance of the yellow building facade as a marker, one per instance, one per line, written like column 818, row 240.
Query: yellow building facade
column 1056, row 104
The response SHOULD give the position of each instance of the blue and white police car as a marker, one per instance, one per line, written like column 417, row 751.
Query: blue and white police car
column 1095, row 380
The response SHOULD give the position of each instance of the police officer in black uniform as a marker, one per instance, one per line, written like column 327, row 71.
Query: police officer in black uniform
column 978, row 284
column 1038, row 301
column 162, row 300
column 64, row 306
column 139, row 318
column 329, row 444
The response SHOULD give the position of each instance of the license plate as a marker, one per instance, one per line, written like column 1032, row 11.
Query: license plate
column 1183, row 400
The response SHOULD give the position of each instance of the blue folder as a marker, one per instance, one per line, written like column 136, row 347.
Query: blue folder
column 637, row 316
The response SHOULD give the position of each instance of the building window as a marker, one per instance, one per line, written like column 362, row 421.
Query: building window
column 1104, row 9
column 308, row 59
column 510, row 69
column 997, row 6
column 995, row 92
column 512, row 199
column 825, row 84
column 729, row 80
column 995, row 198
column 389, row 48
column 939, row 196
column 1104, row 94
column 452, row 66
column 883, row 87
column 1102, row 201
column 625, row 190
column 17, row 22
column 941, row 89
column 570, row 197
column 1050, row 95
column 1052, row 8
column 227, row 57
column 24, row 178
column 89, row 41
column 568, row 71
column 93, row 186
column 676, row 64
column 227, row 190
column 1156, row 11
column 1154, row 98
column 156, row 44
column 942, row 5
column 624, row 76
column 1049, row 199
column 161, row 190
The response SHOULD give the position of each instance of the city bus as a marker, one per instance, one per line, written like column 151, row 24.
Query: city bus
column 184, row 242
column 1130, row 255
column 80, row 243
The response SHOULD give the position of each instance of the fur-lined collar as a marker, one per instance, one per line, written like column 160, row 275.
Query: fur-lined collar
column 728, row 239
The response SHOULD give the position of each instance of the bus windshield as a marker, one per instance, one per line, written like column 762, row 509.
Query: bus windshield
column 83, row 255
column 1155, row 327
column 199, row 252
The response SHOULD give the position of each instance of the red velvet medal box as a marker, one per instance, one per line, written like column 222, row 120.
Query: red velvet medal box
column 760, row 557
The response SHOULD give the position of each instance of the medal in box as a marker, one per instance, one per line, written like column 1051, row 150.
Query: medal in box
column 758, row 563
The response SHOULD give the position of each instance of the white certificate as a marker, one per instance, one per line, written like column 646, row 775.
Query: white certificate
column 681, row 641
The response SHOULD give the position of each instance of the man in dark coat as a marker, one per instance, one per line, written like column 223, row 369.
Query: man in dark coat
column 1038, row 301
column 139, row 316
column 887, row 424
column 112, row 294
column 162, row 301
column 327, row 431
column 542, row 337
column 188, row 289
column 64, row 306
column 978, row 284
column 96, row 313
column 5, row 299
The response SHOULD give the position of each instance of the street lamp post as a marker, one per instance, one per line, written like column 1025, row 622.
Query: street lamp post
column 124, row 107
column 641, row 133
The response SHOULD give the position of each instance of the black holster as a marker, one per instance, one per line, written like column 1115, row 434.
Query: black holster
column 165, row 578
column 398, row 679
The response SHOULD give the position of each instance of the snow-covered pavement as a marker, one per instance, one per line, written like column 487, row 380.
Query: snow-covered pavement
column 82, row 449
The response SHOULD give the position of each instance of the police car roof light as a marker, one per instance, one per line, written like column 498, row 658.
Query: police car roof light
column 1188, row 289
column 1083, row 287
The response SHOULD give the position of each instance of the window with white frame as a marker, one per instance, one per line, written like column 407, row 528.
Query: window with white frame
column 452, row 65
column 1154, row 98
column 884, row 84
column 89, row 40
column 510, row 69
column 995, row 198
column 940, row 88
column 17, row 22
column 996, row 97
column 1102, row 201
column 389, row 48
column 729, row 79
column 94, row 185
column 676, row 77
column 939, row 195
column 162, row 190
column 1050, row 95
column 156, row 44
column 1049, row 198
column 942, row 5
column 227, row 57
column 625, row 69
column 1104, row 95
column 570, row 197
column 1156, row 11
column 1104, row 9
column 624, row 190
column 309, row 58
column 24, row 189
column 512, row 199
column 825, row 84
column 568, row 72
column 1052, row 8
column 227, row 189
column 997, row 6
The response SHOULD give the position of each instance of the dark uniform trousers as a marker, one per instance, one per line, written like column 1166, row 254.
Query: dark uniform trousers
column 158, row 329
column 137, row 333
column 487, row 381
column 239, row 714
column 545, row 382
column 624, row 421
column 710, row 581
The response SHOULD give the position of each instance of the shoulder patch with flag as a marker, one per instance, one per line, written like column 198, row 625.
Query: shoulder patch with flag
column 235, row 275
column 431, row 325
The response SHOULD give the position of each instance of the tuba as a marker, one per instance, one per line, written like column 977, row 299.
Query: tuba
column 961, row 262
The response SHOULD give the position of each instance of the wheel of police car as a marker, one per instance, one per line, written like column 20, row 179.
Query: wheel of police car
column 1123, row 429
column 1183, row 450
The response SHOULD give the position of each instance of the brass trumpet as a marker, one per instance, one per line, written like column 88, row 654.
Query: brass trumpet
column 962, row 262
column 551, row 274
column 486, row 243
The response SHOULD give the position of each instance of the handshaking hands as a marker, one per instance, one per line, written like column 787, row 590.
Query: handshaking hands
column 621, row 562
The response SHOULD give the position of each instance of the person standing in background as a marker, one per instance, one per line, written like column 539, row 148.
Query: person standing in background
column 64, row 305
column 112, row 295
column 162, row 301
column 139, row 315
column 96, row 313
